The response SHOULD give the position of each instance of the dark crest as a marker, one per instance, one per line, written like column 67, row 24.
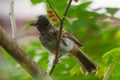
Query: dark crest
column 42, row 23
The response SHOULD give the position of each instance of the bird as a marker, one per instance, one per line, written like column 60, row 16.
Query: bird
column 69, row 44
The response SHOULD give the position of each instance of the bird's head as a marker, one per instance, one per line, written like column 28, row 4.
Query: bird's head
column 42, row 23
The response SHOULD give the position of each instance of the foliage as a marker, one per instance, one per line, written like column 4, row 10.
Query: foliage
column 101, row 42
column 112, row 11
column 36, row 1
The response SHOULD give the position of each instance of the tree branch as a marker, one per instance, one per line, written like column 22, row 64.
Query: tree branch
column 12, row 19
column 59, row 37
column 21, row 57
column 66, row 10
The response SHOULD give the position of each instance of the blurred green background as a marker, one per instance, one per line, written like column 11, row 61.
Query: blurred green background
column 98, row 33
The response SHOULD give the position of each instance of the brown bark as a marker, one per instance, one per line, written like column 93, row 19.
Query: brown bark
column 21, row 57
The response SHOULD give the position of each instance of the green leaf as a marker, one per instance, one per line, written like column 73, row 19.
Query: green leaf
column 109, row 56
column 43, row 61
column 108, row 33
column 85, row 5
column 112, row 11
column 101, row 71
column 76, row 70
column 116, row 72
column 117, row 35
column 114, row 61
column 36, row 1
column 9, row 59
column 66, row 63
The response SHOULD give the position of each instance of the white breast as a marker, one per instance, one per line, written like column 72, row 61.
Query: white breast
column 67, row 45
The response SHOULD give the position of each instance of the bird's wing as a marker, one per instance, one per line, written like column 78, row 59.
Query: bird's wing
column 66, row 34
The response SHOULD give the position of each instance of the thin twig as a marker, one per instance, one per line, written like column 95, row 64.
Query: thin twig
column 111, row 68
column 59, row 37
column 12, row 19
column 67, row 8
column 54, row 10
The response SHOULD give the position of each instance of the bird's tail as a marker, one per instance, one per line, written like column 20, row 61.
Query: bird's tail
column 86, row 63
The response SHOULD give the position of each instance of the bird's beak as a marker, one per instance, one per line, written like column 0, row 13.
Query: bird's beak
column 33, row 24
